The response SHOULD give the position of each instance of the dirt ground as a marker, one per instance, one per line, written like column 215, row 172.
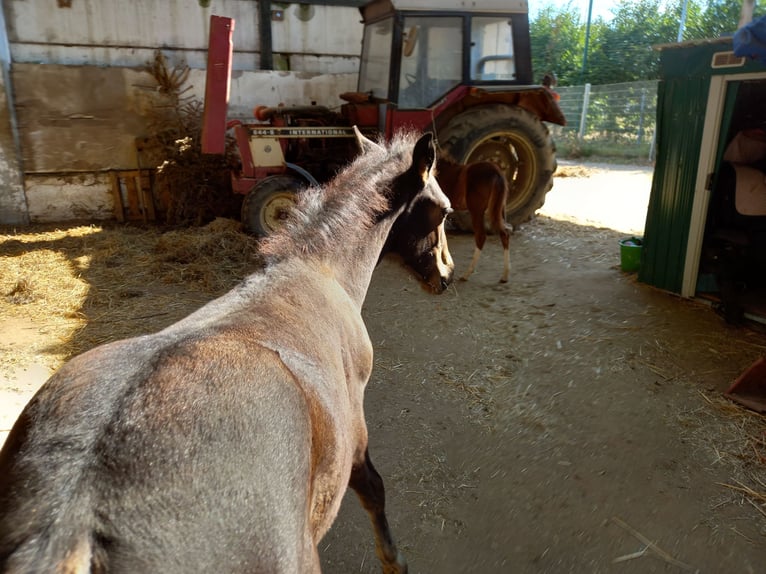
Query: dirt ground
column 571, row 420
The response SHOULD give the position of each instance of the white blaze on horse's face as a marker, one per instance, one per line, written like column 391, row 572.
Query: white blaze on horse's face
column 419, row 238
column 442, row 258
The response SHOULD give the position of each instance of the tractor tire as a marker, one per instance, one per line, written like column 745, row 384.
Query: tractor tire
column 266, row 207
column 514, row 139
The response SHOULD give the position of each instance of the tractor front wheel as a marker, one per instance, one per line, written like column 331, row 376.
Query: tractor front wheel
column 267, row 206
column 514, row 139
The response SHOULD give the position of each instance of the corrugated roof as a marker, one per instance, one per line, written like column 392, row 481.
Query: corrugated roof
column 691, row 43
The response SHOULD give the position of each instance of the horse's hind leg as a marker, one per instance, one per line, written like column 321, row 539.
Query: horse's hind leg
column 368, row 485
column 503, row 232
column 497, row 201
column 479, row 237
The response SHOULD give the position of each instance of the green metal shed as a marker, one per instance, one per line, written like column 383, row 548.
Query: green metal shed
column 706, row 96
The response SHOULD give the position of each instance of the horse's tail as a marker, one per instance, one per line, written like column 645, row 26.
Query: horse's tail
column 497, row 200
column 46, row 516
column 75, row 554
column 66, row 548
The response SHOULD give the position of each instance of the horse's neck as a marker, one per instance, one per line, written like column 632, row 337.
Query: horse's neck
column 354, row 261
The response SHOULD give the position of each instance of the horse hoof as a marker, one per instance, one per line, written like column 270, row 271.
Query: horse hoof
column 463, row 278
column 502, row 280
column 398, row 567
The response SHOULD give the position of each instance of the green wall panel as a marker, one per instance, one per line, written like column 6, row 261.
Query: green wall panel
column 681, row 107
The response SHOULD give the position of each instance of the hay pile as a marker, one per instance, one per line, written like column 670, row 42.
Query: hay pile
column 189, row 187
column 573, row 171
column 86, row 285
column 743, row 447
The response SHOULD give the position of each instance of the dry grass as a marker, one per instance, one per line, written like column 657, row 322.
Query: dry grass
column 573, row 171
column 86, row 285
column 722, row 431
column 733, row 437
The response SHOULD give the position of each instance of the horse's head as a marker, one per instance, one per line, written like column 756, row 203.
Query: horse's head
column 418, row 235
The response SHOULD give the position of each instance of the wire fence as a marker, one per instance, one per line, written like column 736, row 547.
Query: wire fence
column 618, row 116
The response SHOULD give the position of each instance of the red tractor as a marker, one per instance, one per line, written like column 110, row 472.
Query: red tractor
column 462, row 72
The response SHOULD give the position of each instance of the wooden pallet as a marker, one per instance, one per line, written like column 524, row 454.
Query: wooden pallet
column 132, row 192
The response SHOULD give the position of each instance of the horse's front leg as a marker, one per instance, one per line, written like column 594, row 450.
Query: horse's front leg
column 368, row 485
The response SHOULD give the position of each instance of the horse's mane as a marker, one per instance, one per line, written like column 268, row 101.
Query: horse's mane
column 328, row 215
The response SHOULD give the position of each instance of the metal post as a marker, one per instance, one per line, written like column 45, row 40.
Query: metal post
column 13, row 200
column 584, row 114
column 587, row 39
column 682, row 24
column 217, row 84
column 264, row 30
column 641, row 117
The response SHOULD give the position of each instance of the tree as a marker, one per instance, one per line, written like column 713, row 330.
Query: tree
column 717, row 18
column 556, row 39
column 625, row 50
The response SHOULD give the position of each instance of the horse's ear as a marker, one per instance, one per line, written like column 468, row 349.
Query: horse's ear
column 365, row 144
column 424, row 155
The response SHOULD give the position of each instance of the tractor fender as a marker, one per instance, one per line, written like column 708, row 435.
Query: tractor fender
column 537, row 100
column 542, row 103
column 302, row 172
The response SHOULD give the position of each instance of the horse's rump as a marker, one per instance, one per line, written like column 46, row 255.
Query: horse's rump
column 482, row 189
column 488, row 175
column 150, row 460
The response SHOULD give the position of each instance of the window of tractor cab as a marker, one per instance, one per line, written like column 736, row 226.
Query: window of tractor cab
column 492, row 49
column 432, row 59
column 376, row 57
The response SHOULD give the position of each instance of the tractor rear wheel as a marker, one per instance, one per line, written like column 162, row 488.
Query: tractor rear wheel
column 266, row 207
column 514, row 139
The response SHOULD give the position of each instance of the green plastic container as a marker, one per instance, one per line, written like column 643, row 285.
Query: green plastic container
column 630, row 253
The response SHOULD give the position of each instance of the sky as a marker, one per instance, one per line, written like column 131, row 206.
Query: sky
column 600, row 7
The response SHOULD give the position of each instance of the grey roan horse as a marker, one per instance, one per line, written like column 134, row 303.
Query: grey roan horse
column 225, row 442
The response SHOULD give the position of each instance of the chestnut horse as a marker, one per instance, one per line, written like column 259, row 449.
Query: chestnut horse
column 481, row 188
column 225, row 442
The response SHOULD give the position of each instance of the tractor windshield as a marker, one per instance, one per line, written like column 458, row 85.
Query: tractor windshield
column 431, row 56
column 376, row 58
column 432, row 59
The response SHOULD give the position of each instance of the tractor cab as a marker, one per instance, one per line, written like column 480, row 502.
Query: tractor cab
column 458, row 68
column 414, row 52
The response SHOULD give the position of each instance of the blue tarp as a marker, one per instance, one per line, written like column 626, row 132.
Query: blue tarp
column 750, row 40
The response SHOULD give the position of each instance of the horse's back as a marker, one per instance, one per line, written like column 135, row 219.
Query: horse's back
column 125, row 485
column 473, row 185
